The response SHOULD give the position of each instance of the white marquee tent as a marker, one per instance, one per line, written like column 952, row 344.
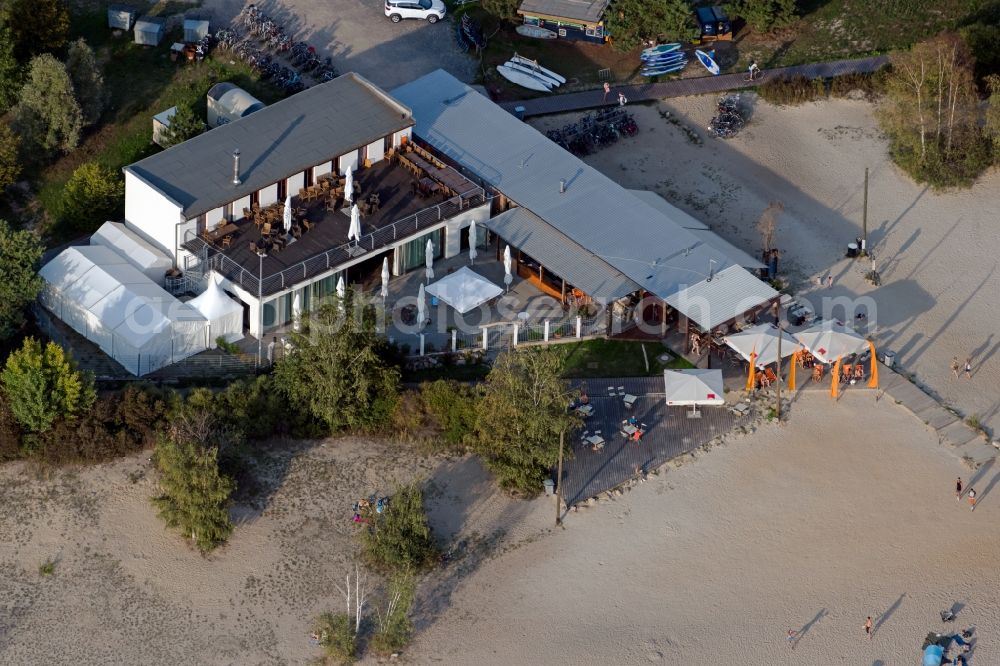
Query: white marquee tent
column 464, row 290
column 224, row 315
column 830, row 339
column 113, row 304
column 133, row 248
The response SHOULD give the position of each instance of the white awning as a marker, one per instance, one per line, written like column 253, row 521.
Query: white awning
column 762, row 340
column 728, row 294
column 830, row 339
column 464, row 290
column 693, row 387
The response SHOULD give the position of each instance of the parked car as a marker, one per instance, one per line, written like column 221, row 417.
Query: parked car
column 432, row 10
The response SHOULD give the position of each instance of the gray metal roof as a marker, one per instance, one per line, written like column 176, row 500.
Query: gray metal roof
column 729, row 294
column 299, row 132
column 558, row 253
column 635, row 238
column 581, row 10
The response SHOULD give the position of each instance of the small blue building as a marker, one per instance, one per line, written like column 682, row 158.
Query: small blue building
column 581, row 20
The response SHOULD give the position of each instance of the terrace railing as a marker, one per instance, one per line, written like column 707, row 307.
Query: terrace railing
column 330, row 259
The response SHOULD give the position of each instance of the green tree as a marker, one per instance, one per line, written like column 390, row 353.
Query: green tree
column 340, row 373
column 43, row 384
column 184, row 124
column 37, row 26
column 20, row 252
column 336, row 637
column 765, row 15
column 400, row 538
column 503, row 9
column 394, row 627
column 991, row 126
column 630, row 22
column 81, row 65
column 194, row 496
column 10, row 70
column 47, row 116
column 93, row 195
column 520, row 417
column 10, row 161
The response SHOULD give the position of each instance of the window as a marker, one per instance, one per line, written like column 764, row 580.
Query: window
column 531, row 20
column 424, row 4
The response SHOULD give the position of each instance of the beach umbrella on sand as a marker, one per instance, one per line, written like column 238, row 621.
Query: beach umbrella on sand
column 349, row 185
column 288, row 214
column 354, row 231
column 429, row 259
column 340, row 287
column 472, row 242
column 421, row 306
column 507, row 277
column 385, row 279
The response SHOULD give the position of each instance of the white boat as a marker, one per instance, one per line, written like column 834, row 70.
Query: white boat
column 533, row 64
column 524, row 80
column 548, row 80
column 535, row 31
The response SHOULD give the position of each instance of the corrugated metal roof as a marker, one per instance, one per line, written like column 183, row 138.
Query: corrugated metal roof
column 729, row 294
column 597, row 213
column 558, row 253
column 304, row 130
column 581, row 10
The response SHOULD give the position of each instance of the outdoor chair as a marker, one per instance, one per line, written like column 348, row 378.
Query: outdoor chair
column 859, row 371
column 266, row 229
column 770, row 376
column 306, row 224
column 227, row 241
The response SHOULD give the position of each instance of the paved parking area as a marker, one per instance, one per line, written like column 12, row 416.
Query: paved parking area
column 359, row 37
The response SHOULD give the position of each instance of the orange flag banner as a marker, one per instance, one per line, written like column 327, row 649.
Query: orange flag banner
column 873, row 381
column 791, row 371
column 835, row 382
column 752, row 377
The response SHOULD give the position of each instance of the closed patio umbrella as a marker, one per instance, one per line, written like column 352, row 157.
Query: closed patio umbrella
column 421, row 306
column 429, row 259
column 472, row 243
column 349, row 186
column 340, row 287
column 507, row 277
column 354, row 231
column 288, row 214
column 385, row 279
column 296, row 310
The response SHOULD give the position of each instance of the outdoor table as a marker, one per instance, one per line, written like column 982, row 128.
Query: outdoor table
column 595, row 441
column 585, row 410
column 629, row 400
column 629, row 429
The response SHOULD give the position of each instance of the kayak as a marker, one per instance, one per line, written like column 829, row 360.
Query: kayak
column 659, row 49
column 535, row 31
column 533, row 64
column 708, row 61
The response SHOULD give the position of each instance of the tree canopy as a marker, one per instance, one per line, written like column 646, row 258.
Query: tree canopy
column 339, row 372
column 10, row 70
column 88, row 83
column 93, row 195
column 37, row 26
column 522, row 412
column 184, row 125
column 630, row 22
column 10, row 160
column 20, row 252
column 47, row 116
column 765, row 15
column 42, row 384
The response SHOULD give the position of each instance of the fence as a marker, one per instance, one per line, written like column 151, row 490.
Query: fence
column 509, row 334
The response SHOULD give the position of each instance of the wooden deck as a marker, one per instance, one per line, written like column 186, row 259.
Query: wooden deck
column 700, row 85
column 670, row 433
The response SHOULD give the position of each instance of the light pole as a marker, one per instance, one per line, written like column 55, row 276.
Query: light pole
column 781, row 332
column 864, row 220
column 260, row 303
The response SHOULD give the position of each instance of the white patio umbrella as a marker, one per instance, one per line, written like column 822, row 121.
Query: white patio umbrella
column 762, row 340
column 354, row 231
column 341, row 290
column 829, row 339
column 296, row 310
column 385, row 279
column 421, row 306
column 349, row 185
column 429, row 259
column 288, row 214
column 472, row 242
column 507, row 277
column 693, row 387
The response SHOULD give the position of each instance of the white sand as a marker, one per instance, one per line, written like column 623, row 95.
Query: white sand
column 713, row 562
column 937, row 252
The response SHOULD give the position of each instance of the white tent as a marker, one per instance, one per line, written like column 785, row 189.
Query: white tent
column 693, row 387
column 464, row 290
column 830, row 339
column 224, row 315
column 114, row 305
column 762, row 340
column 134, row 249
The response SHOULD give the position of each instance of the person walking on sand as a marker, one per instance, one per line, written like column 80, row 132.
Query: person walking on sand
column 621, row 99
column 829, row 281
column 955, row 367
column 791, row 637
column 607, row 91
column 968, row 367
column 972, row 499
column 958, row 489
column 868, row 627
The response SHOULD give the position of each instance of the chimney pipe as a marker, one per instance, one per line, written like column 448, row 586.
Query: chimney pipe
column 562, row 185
column 236, row 167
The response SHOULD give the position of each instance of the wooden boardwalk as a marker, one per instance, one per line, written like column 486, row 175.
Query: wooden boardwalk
column 700, row 85
column 669, row 434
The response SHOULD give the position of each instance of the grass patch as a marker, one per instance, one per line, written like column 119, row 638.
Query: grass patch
column 610, row 358
column 47, row 568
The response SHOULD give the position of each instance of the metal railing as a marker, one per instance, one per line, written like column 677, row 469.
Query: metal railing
column 341, row 254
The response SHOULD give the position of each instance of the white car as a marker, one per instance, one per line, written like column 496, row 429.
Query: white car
column 432, row 10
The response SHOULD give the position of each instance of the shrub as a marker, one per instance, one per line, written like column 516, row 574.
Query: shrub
column 871, row 84
column 184, row 124
column 38, row 25
column 630, row 22
column 10, row 162
column 336, row 637
column 452, row 406
column 20, row 254
column 503, row 9
column 47, row 568
column 394, row 628
column 47, row 116
column 88, row 84
column 10, row 433
column 400, row 538
column 226, row 346
column 43, row 384
column 765, row 15
column 791, row 91
column 10, row 70
column 93, row 195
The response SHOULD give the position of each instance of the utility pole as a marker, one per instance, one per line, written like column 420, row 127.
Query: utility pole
column 260, row 303
column 562, row 435
column 781, row 333
column 864, row 219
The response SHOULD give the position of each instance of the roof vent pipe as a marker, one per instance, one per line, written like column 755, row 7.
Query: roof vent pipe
column 236, row 167
column 562, row 185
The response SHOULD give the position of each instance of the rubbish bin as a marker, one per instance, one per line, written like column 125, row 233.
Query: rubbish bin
column 852, row 250
column 519, row 112
column 550, row 486
column 888, row 358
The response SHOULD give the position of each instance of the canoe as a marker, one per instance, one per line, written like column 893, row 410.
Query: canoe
column 524, row 80
column 707, row 60
column 665, row 69
column 547, row 80
column 526, row 30
column 659, row 49
column 533, row 64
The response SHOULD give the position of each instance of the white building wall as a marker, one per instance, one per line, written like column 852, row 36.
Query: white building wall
column 214, row 218
column 322, row 169
column 454, row 226
column 397, row 138
column 349, row 161
column 296, row 183
column 268, row 195
column 151, row 215
column 376, row 151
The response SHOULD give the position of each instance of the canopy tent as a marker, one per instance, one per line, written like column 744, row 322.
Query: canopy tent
column 106, row 299
column 464, row 290
column 224, row 315
column 134, row 249
column 762, row 340
column 693, row 387
column 829, row 340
